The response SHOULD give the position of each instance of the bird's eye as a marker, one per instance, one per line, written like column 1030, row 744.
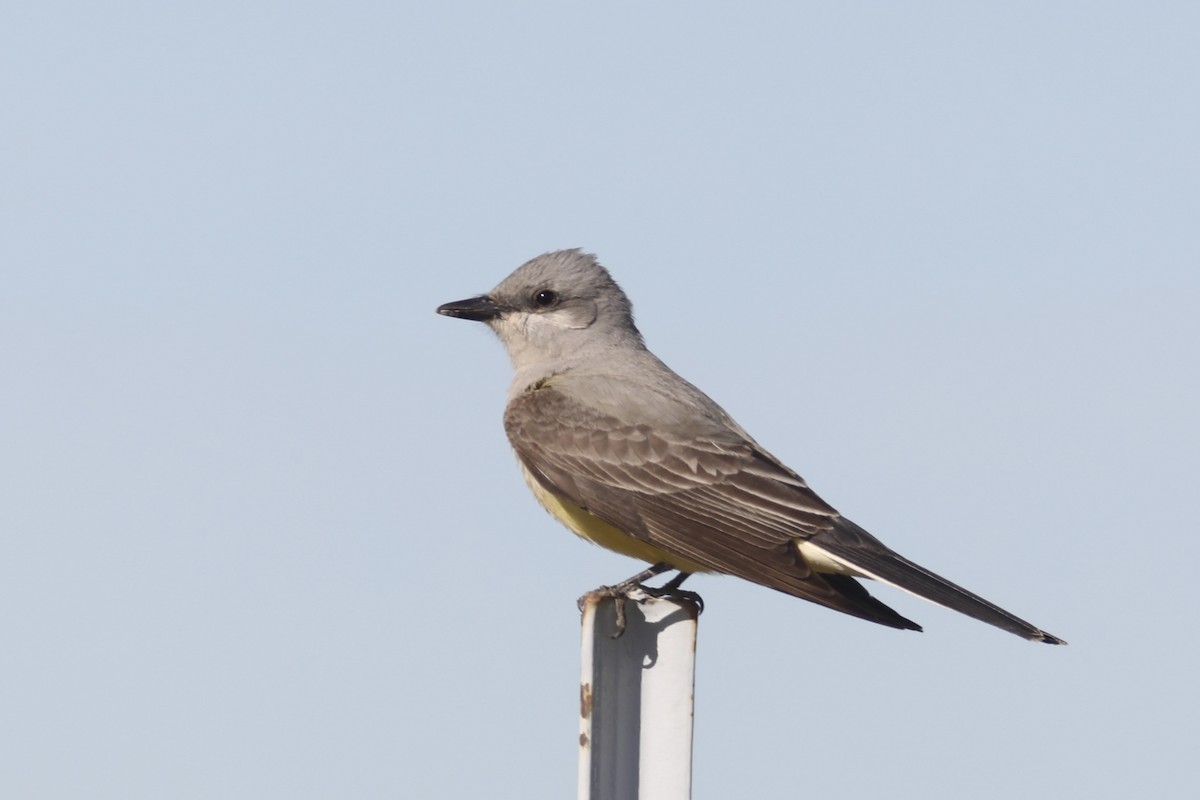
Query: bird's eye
column 545, row 298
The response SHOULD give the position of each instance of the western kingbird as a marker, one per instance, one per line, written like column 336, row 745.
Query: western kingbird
column 632, row 457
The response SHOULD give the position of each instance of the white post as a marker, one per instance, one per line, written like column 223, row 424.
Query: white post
column 636, row 699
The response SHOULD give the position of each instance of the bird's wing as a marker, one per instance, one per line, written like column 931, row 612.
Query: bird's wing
column 718, row 500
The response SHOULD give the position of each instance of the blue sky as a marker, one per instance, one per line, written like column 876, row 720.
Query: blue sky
column 260, row 531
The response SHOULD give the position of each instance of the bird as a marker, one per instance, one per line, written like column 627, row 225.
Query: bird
column 632, row 457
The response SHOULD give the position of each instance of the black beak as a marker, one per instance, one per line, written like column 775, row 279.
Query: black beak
column 480, row 309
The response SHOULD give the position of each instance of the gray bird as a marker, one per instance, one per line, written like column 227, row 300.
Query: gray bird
column 632, row 457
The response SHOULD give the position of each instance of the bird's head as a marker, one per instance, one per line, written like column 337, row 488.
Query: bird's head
column 555, row 308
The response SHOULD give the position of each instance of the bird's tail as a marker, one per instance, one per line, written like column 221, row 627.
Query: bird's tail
column 861, row 554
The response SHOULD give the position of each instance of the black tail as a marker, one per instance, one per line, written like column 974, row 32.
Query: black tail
column 862, row 552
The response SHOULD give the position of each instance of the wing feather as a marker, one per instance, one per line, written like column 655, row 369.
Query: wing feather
column 714, row 499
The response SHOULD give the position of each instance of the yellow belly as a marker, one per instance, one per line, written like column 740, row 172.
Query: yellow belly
column 588, row 526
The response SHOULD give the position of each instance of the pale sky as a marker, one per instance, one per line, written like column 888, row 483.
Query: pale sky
column 261, row 535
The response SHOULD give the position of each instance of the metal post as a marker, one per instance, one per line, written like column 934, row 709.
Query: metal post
column 636, row 699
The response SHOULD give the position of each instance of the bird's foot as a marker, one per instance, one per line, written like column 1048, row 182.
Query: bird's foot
column 633, row 589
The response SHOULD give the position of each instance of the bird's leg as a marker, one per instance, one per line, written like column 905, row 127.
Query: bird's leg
column 629, row 584
column 673, row 584
column 620, row 592
column 645, row 575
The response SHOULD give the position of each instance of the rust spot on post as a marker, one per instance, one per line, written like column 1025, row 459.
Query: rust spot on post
column 585, row 700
